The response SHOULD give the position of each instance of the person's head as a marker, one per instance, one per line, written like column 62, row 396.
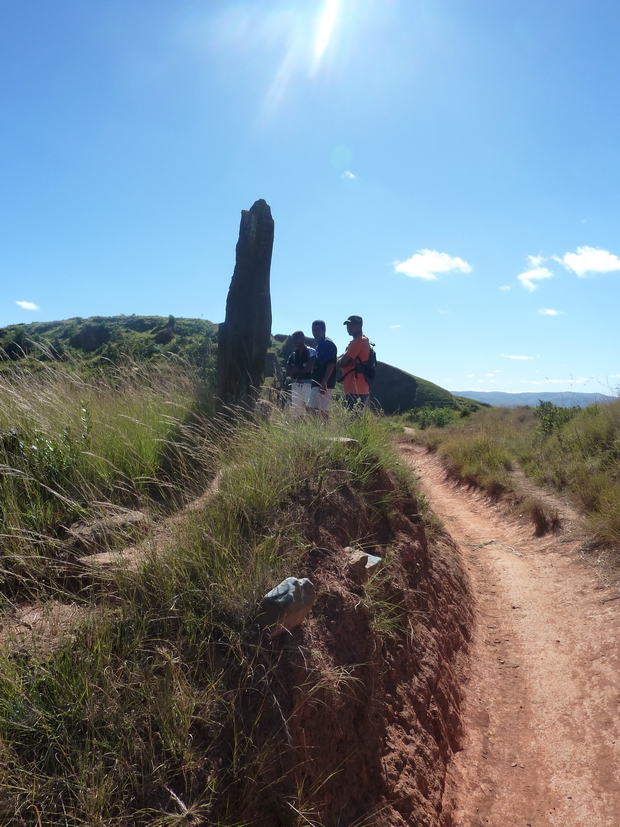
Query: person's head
column 298, row 338
column 354, row 325
column 318, row 329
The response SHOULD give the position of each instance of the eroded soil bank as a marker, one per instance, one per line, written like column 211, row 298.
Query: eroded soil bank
column 352, row 719
column 370, row 686
column 541, row 713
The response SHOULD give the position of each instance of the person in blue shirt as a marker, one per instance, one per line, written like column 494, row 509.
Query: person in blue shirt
column 323, row 371
column 299, row 368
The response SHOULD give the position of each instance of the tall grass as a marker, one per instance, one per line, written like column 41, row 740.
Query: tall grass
column 73, row 444
column 573, row 451
column 582, row 456
column 165, row 708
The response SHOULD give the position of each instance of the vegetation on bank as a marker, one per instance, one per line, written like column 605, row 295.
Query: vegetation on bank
column 572, row 450
column 161, row 708
column 75, row 443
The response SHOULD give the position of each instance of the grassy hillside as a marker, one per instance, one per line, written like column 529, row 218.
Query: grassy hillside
column 575, row 451
column 103, row 339
column 397, row 391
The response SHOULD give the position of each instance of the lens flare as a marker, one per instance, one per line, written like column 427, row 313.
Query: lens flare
column 328, row 19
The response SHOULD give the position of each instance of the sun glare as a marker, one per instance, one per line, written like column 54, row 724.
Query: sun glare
column 328, row 19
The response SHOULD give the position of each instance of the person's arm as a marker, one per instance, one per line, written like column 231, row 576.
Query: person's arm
column 331, row 367
column 350, row 355
column 291, row 368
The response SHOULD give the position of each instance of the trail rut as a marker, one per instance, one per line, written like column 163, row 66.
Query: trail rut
column 542, row 705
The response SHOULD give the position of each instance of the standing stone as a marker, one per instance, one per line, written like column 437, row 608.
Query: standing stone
column 244, row 337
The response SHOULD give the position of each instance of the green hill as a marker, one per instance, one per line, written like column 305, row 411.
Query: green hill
column 101, row 340
column 397, row 391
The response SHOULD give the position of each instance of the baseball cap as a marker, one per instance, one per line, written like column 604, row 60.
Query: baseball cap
column 354, row 320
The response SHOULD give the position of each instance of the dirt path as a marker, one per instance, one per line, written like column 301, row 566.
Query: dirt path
column 542, row 710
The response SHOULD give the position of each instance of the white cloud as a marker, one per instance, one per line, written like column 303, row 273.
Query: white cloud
column 470, row 375
column 444, row 312
column 348, row 175
column 548, row 312
column 591, row 260
column 535, row 261
column 394, row 326
column 28, row 305
column 516, row 357
column 528, row 278
column 505, row 287
column 490, row 374
column 425, row 264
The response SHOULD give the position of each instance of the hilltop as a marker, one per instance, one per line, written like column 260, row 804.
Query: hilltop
column 108, row 338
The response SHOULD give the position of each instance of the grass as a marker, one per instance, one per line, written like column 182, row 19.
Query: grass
column 573, row 451
column 73, row 443
column 479, row 460
column 165, row 707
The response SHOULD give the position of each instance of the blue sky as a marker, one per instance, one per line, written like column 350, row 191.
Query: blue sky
column 449, row 170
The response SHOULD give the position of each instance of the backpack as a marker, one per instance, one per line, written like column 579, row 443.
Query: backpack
column 369, row 367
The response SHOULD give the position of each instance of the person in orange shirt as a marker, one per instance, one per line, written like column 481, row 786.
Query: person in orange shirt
column 356, row 389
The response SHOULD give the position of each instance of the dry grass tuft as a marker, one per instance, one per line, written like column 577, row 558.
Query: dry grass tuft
column 545, row 518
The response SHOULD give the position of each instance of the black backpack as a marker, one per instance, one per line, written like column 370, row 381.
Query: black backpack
column 369, row 367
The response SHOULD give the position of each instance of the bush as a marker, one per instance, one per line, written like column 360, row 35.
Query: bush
column 433, row 417
column 553, row 418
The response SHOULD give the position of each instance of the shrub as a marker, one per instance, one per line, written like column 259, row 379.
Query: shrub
column 552, row 417
column 433, row 417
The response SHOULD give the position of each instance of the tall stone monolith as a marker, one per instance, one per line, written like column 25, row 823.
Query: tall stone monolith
column 244, row 337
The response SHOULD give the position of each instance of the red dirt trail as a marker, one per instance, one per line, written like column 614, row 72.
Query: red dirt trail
column 542, row 705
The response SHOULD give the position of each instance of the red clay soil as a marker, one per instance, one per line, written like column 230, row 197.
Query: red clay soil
column 541, row 714
column 372, row 716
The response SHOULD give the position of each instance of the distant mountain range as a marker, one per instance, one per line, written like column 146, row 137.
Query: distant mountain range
column 566, row 399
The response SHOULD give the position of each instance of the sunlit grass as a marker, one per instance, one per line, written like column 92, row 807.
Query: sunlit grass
column 72, row 444
column 163, row 707
column 576, row 452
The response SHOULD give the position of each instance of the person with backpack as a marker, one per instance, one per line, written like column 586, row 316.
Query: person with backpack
column 299, row 368
column 354, row 363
